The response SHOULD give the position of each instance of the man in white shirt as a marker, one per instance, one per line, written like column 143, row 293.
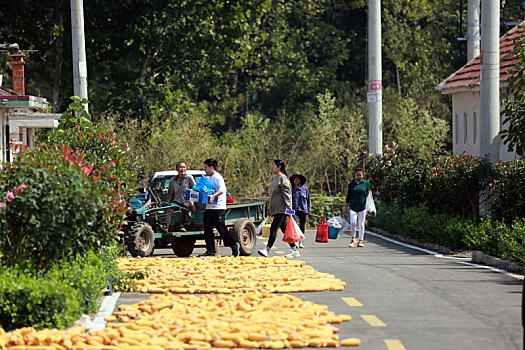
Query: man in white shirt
column 215, row 213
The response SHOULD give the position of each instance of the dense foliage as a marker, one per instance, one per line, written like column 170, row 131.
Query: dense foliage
column 418, row 222
column 514, row 101
column 55, row 205
column 150, row 58
column 459, row 202
column 497, row 238
column 29, row 300
column 488, row 235
column 57, row 296
column 508, row 197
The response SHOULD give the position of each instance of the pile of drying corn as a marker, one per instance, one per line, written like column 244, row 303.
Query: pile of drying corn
column 228, row 274
column 237, row 320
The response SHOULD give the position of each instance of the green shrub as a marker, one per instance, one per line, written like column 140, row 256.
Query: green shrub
column 56, row 207
column 378, row 166
column 455, row 184
column 421, row 224
column 86, row 273
column 404, row 182
column 387, row 218
column 32, row 301
column 508, row 191
column 496, row 238
column 123, row 281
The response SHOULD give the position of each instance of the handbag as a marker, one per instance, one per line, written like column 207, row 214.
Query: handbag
column 322, row 232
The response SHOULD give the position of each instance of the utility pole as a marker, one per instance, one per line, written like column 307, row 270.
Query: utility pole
column 375, row 88
column 79, row 50
column 489, row 76
column 473, row 35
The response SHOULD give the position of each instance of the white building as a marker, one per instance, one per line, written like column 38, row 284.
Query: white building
column 464, row 86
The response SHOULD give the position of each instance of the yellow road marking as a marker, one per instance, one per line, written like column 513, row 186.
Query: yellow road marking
column 373, row 321
column 279, row 252
column 352, row 302
column 394, row 344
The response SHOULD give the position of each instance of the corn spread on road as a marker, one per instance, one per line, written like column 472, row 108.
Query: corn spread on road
column 236, row 309
column 227, row 274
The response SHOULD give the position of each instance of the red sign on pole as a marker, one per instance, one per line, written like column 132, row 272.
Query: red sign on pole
column 375, row 85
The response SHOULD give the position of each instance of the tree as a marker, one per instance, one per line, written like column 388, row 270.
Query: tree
column 514, row 101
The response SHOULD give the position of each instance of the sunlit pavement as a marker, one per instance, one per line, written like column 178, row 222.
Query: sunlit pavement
column 401, row 298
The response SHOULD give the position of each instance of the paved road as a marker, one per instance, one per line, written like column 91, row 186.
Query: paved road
column 401, row 298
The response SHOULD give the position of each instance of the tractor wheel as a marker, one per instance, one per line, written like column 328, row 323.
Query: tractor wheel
column 183, row 246
column 244, row 233
column 141, row 240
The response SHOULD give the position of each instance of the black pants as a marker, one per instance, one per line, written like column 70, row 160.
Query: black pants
column 300, row 217
column 279, row 221
column 215, row 218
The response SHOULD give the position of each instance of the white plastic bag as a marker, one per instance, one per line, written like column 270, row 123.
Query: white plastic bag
column 370, row 206
column 258, row 230
column 297, row 229
column 335, row 221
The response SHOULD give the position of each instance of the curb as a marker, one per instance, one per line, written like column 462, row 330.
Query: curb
column 98, row 322
column 477, row 256
column 411, row 241
column 480, row 257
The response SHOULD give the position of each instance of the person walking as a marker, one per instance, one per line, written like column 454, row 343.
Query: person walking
column 358, row 190
column 280, row 201
column 301, row 202
column 215, row 214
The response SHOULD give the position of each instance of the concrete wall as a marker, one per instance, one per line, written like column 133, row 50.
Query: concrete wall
column 466, row 123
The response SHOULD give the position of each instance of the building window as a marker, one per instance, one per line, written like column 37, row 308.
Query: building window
column 474, row 127
column 465, row 127
column 457, row 128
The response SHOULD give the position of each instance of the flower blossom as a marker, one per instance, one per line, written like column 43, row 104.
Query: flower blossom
column 9, row 195
column 86, row 170
column 20, row 188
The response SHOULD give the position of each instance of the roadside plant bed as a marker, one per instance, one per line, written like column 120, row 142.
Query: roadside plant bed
column 59, row 295
column 489, row 236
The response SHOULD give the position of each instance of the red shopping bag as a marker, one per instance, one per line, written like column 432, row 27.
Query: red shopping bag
column 290, row 235
column 322, row 232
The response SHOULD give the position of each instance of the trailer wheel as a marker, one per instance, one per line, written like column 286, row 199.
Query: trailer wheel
column 244, row 233
column 141, row 240
column 183, row 246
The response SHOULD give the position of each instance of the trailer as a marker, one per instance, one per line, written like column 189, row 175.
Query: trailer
column 148, row 228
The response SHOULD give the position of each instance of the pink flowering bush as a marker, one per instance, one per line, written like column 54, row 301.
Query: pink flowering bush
column 53, row 208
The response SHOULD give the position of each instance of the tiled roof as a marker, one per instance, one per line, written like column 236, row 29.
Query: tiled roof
column 6, row 91
column 467, row 77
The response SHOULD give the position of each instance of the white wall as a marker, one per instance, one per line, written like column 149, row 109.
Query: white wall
column 465, row 123
column 465, row 136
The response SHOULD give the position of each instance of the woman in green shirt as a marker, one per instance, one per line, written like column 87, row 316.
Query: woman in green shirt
column 358, row 190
